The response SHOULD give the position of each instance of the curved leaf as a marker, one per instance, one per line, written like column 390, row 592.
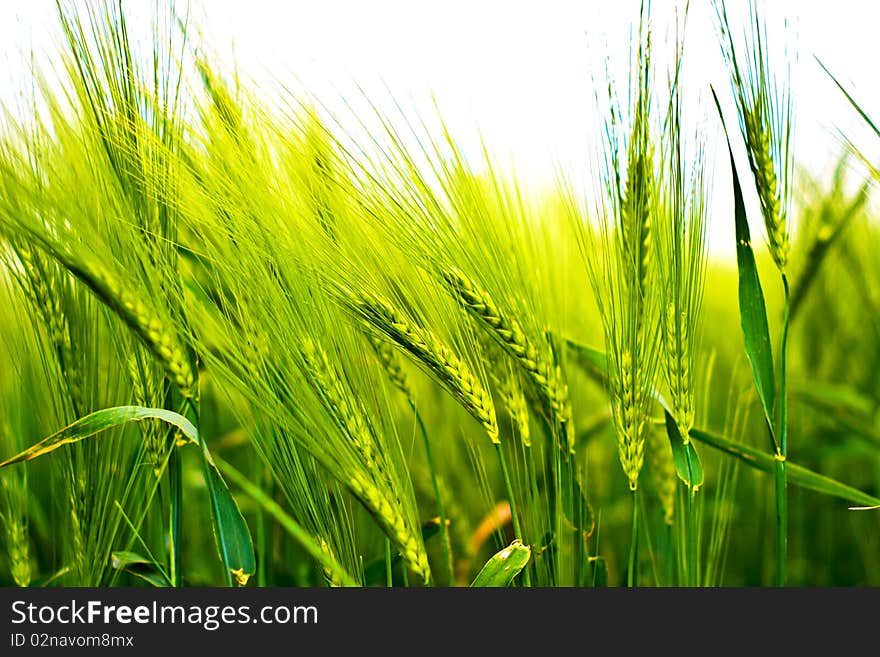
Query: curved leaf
column 99, row 421
column 684, row 456
column 140, row 567
column 500, row 570
column 231, row 532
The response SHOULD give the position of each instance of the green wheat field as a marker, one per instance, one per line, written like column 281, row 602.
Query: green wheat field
column 246, row 343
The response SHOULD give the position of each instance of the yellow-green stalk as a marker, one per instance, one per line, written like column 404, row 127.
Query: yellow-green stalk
column 622, row 271
column 764, row 107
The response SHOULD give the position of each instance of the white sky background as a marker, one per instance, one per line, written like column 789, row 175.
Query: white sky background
column 519, row 72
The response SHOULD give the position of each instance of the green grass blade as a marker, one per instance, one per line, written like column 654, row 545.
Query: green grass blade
column 99, row 421
column 500, row 570
column 852, row 101
column 797, row 475
column 139, row 566
column 232, row 534
column 684, row 456
column 753, row 312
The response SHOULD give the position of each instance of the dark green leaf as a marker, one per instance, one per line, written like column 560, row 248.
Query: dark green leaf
column 753, row 313
column 500, row 570
column 685, row 457
column 140, row 567
column 231, row 532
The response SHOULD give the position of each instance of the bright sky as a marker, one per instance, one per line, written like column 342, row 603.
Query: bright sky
column 520, row 72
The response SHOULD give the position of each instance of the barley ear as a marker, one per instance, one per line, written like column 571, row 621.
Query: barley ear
column 391, row 364
column 545, row 376
column 373, row 490
column 429, row 351
column 146, row 321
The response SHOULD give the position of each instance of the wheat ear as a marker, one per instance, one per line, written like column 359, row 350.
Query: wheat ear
column 546, row 378
column 662, row 469
column 145, row 320
column 351, row 419
column 452, row 372
column 758, row 144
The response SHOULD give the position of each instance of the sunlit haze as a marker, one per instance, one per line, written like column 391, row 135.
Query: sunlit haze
column 521, row 74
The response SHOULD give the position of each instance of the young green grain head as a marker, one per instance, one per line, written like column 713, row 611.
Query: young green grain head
column 662, row 470
column 14, row 514
column 431, row 353
column 546, row 379
column 764, row 105
column 618, row 256
column 682, row 220
column 391, row 363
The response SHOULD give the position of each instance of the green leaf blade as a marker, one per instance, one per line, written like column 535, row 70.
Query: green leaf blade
column 504, row 566
column 687, row 462
column 231, row 532
column 94, row 423
column 752, row 309
column 797, row 475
